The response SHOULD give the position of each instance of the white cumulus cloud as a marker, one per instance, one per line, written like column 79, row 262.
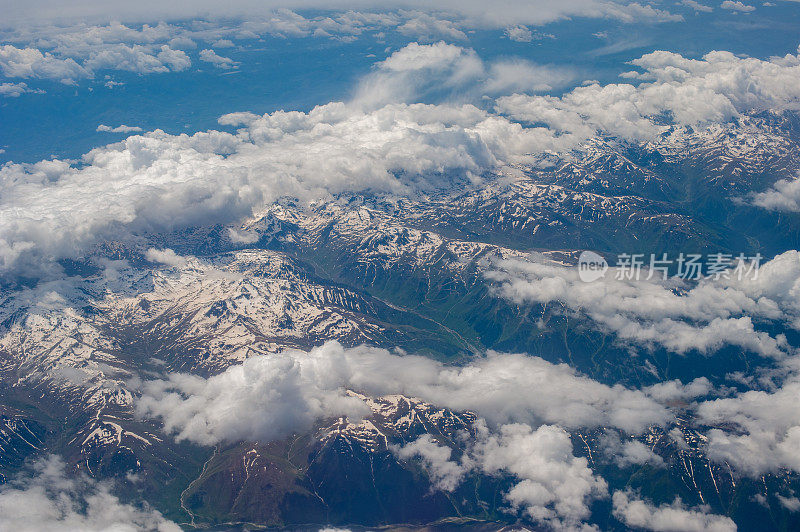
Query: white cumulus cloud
column 519, row 33
column 160, row 182
column 676, row 517
column 166, row 256
column 697, row 6
column 51, row 500
column 32, row 63
column 689, row 91
column 555, row 487
column 447, row 72
column 783, row 196
column 768, row 433
column 445, row 474
column 275, row 395
column 210, row 56
column 672, row 314
column 736, row 6
column 15, row 90
column 119, row 129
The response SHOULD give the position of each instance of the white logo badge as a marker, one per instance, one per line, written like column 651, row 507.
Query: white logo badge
column 591, row 266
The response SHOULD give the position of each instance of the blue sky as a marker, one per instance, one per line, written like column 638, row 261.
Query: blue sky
column 296, row 73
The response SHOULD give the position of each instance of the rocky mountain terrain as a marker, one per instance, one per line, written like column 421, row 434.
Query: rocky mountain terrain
column 401, row 272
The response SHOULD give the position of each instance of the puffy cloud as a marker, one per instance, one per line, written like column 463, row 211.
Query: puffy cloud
column 178, row 43
column 675, row 390
column 139, row 59
column 243, row 237
column 82, row 39
column 427, row 28
column 519, row 33
column 672, row 314
column 473, row 13
column 436, row 56
column 176, row 60
column 555, row 487
column 53, row 501
column 417, row 71
column 158, row 182
column 15, row 90
column 552, row 485
column 272, row 396
column 446, row 72
column 636, row 12
column 444, row 473
column 275, row 395
column 628, row 452
column 31, row 63
column 638, row 513
column 119, row 129
column 783, row 196
column 344, row 25
column 265, row 398
column 716, row 88
column 635, row 452
column 522, row 76
column 736, row 6
column 697, row 6
column 769, row 429
column 790, row 503
column 513, row 388
column 166, row 256
column 210, row 56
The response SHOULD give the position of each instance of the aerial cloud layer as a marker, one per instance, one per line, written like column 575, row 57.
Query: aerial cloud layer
column 688, row 91
column 54, row 501
column 161, row 182
column 672, row 314
column 675, row 517
column 279, row 394
column 473, row 13
column 32, row 63
column 276, row 395
column 526, row 407
column 784, row 195
column 768, row 425
column 424, row 117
